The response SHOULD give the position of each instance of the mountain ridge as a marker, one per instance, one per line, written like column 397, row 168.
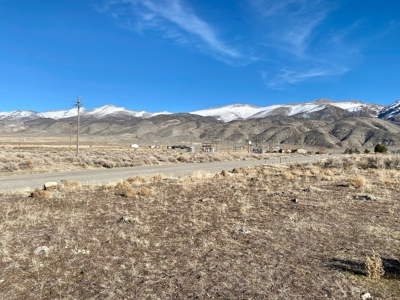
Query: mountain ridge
column 225, row 113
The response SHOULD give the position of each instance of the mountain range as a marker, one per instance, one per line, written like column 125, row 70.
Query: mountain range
column 226, row 113
column 324, row 123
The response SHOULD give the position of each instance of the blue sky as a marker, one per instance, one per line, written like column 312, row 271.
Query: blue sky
column 184, row 55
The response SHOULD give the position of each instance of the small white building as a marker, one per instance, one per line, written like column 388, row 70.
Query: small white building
column 134, row 146
column 190, row 149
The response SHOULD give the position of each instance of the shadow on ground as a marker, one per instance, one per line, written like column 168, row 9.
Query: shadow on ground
column 391, row 267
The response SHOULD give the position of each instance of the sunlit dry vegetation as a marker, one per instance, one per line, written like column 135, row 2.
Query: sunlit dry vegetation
column 326, row 230
column 34, row 160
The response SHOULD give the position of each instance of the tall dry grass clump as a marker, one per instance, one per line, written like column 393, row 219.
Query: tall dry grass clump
column 357, row 181
column 374, row 266
column 38, row 193
column 287, row 176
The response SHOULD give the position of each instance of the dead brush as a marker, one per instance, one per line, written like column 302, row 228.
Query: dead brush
column 315, row 171
column 264, row 172
column 296, row 172
column 38, row 193
column 71, row 186
column 137, row 179
column 158, row 177
column 126, row 189
column 357, row 181
column 30, row 164
column 181, row 158
column 296, row 166
column 144, row 191
column 240, row 171
column 287, row 175
column 374, row 266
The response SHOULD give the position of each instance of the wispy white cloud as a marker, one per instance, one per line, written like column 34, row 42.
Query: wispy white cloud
column 172, row 17
column 290, row 24
column 294, row 31
column 291, row 39
column 280, row 79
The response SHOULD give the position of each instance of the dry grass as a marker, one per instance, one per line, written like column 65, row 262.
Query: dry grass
column 35, row 160
column 357, row 181
column 234, row 236
column 374, row 266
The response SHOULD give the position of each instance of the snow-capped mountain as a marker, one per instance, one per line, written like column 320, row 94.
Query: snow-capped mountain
column 22, row 115
column 108, row 110
column 316, row 109
column 237, row 111
column 62, row 114
column 391, row 112
column 100, row 112
column 230, row 112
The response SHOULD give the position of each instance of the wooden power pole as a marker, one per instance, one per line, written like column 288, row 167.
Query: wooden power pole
column 70, row 137
column 78, row 104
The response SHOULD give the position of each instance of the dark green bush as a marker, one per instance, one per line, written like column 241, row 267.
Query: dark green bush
column 380, row 149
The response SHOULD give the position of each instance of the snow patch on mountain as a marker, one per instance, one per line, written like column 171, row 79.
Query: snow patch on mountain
column 62, row 114
column 100, row 112
column 229, row 112
column 19, row 115
column 240, row 111
column 224, row 113
column 390, row 111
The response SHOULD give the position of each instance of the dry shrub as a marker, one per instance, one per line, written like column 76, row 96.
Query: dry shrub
column 264, row 172
column 69, row 185
column 296, row 166
column 181, row 159
column 137, row 179
column 240, row 171
column 144, row 191
column 308, row 173
column 126, row 189
column 30, row 164
column 218, row 175
column 373, row 266
column 357, row 181
column 10, row 167
column 297, row 172
column 129, row 192
column 105, row 188
column 288, row 176
column 37, row 193
column 315, row 171
column 123, row 185
column 158, row 177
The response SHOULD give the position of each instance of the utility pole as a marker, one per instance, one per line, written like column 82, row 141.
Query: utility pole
column 78, row 104
column 314, row 144
column 70, row 137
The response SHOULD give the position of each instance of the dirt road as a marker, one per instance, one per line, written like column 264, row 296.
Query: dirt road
column 106, row 176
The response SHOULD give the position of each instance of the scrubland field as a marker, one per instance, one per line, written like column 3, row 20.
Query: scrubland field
column 324, row 230
column 39, row 160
